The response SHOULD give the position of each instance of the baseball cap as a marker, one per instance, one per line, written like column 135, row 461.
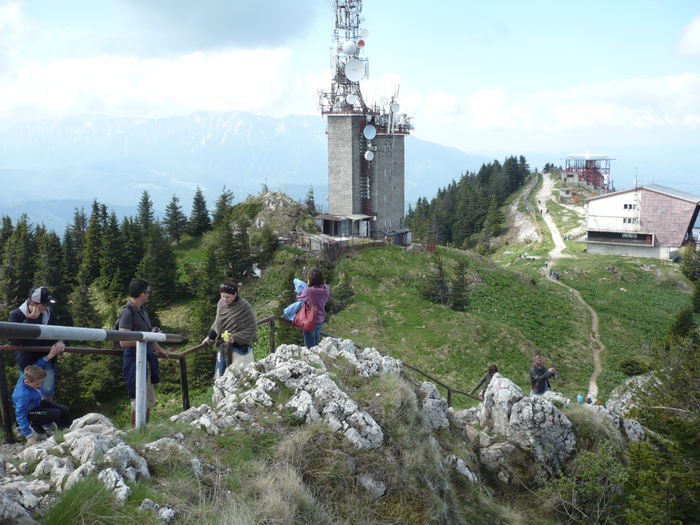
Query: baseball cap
column 40, row 294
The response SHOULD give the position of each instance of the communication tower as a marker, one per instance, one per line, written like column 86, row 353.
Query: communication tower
column 591, row 169
column 365, row 140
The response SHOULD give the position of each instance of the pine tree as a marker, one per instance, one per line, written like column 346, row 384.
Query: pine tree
column 91, row 253
column 175, row 220
column 683, row 326
column 144, row 212
column 696, row 297
column 17, row 269
column 310, row 202
column 133, row 241
column 223, row 208
column 199, row 218
column 158, row 267
column 112, row 276
column 691, row 263
column 459, row 294
column 49, row 269
column 5, row 232
column 73, row 242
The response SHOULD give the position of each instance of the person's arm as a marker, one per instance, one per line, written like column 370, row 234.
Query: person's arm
column 537, row 377
column 304, row 294
column 481, row 382
column 22, row 414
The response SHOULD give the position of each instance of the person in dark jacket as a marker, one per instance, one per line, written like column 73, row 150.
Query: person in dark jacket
column 539, row 376
column 485, row 380
column 134, row 317
column 37, row 310
column 316, row 295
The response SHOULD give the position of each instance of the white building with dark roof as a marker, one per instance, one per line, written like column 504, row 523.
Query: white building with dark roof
column 648, row 221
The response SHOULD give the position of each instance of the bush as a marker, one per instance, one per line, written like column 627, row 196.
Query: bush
column 633, row 367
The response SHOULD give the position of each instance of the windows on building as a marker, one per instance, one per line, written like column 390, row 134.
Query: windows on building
column 630, row 206
column 630, row 220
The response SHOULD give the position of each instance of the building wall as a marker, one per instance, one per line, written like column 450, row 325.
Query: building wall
column 630, row 251
column 668, row 217
column 388, row 183
column 344, row 133
column 616, row 213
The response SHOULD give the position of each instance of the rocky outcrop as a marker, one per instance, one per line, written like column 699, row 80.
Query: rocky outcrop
column 92, row 446
column 242, row 393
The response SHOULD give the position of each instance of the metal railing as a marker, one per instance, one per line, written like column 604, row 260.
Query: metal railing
column 122, row 335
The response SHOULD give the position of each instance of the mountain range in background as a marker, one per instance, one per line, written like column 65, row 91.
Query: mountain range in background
column 48, row 168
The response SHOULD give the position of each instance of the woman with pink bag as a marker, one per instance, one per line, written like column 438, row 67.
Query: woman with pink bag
column 316, row 295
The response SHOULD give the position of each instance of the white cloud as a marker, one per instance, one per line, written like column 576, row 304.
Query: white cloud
column 256, row 81
column 690, row 41
column 12, row 25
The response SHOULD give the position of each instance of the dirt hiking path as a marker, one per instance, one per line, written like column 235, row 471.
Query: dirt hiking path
column 596, row 345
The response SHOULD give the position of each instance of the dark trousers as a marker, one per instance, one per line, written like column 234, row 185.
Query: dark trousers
column 49, row 412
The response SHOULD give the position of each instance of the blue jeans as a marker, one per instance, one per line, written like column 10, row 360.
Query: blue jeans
column 311, row 339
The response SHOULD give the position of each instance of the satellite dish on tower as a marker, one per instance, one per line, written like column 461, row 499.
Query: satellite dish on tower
column 394, row 107
column 354, row 70
column 369, row 132
column 351, row 99
column 350, row 48
column 383, row 101
column 369, row 156
column 361, row 43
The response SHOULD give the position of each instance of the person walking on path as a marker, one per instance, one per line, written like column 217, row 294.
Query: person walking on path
column 539, row 376
column 485, row 380
column 33, row 411
column 134, row 317
column 37, row 309
column 316, row 295
column 233, row 330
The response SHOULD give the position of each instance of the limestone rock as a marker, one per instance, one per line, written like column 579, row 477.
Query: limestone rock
column 433, row 406
column 56, row 469
column 167, row 450
column 461, row 467
column 20, row 498
column 84, row 470
column 114, row 482
column 499, row 398
column 375, row 487
column 540, row 428
column 127, row 462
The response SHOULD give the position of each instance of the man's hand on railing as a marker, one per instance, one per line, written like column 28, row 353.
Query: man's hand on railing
column 207, row 341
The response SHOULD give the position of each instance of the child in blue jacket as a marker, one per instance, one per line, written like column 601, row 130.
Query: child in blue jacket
column 31, row 409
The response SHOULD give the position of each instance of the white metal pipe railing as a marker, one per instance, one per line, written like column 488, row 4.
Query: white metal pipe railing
column 72, row 333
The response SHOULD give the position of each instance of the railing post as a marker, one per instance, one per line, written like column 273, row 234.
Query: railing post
column 6, row 411
column 449, row 397
column 141, row 383
column 184, row 387
column 271, row 324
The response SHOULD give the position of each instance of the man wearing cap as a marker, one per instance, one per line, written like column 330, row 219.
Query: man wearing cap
column 37, row 310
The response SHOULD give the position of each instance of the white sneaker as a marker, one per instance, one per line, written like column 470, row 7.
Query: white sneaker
column 50, row 427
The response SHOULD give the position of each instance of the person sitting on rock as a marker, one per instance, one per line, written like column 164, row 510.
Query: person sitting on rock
column 485, row 380
column 33, row 411
column 539, row 376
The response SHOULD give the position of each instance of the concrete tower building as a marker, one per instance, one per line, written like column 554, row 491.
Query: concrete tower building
column 365, row 143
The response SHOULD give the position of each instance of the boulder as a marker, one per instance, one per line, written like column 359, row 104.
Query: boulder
column 538, row 427
column 499, row 398
column 433, row 406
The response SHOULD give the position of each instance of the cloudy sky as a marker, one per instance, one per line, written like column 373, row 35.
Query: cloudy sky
column 618, row 77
